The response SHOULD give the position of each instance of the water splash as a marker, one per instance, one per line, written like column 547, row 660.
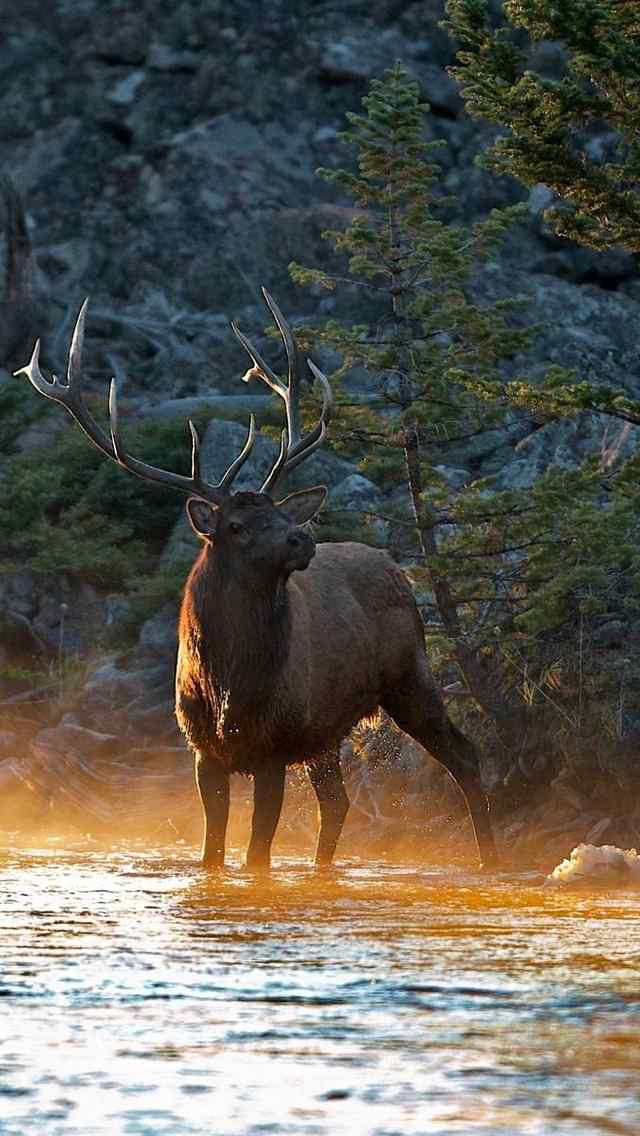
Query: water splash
column 605, row 866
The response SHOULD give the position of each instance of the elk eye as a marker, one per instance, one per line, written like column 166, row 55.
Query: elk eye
column 235, row 527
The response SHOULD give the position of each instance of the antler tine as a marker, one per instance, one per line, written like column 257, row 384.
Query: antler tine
column 114, row 425
column 195, row 452
column 327, row 393
column 33, row 372
column 317, row 434
column 292, row 400
column 195, row 484
column 260, row 367
column 309, row 448
column 277, row 467
column 74, row 358
column 69, row 395
column 237, row 464
column 295, row 446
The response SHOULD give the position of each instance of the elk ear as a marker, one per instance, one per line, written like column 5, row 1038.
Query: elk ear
column 203, row 518
column 301, row 507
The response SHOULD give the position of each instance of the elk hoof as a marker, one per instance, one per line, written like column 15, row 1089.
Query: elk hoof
column 257, row 863
column 324, row 866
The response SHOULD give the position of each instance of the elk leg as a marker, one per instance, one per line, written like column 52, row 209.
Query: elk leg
column 213, row 786
column 268, row 791
column 333, row 805
column 424, row 718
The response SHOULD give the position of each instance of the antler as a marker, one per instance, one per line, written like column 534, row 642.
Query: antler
column 69, row 395
column 294, row 446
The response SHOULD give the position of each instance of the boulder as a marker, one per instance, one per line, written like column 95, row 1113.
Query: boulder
column 159, row 634
column 8, row 742
column 64, row 737
column 219, row 405
column 110, row 684
column 565, row 443
column 356, row 493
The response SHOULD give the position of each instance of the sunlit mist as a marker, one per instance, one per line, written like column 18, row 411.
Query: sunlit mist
column 401, row 991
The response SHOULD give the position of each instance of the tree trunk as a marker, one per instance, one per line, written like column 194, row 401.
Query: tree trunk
column 480, row 682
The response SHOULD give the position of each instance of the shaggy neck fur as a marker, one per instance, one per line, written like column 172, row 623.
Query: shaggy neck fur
column 238, row 637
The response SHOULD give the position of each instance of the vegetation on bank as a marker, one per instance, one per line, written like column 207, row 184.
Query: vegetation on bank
column 518, row 584
column 547, row 117
column 562, row 81
column 69, row 512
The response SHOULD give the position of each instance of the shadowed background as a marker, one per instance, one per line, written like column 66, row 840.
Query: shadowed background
column 164, row 159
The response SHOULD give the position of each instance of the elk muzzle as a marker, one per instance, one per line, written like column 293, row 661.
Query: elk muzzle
column 301, row 548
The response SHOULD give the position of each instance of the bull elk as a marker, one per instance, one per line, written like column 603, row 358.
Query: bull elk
column 284, row 644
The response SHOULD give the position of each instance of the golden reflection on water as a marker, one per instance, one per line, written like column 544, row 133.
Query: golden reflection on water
column 143, row 995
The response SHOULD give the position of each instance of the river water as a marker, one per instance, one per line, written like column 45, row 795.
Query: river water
column 141, row 995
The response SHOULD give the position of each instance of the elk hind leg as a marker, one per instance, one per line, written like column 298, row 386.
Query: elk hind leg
column 325, row 775
column 422, row 715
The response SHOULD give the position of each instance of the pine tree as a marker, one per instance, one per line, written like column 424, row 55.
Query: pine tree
column 519, row 581
column 548, row 120
column 548, row 139
column 418, row 270
column 552, row 125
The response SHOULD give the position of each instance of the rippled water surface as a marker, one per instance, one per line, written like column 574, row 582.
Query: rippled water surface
column 140, row 995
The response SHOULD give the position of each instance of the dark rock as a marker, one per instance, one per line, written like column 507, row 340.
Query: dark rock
column 358, row 54
column 66, row 737
column 159, row 634
column 454, row 477
column 120, row 33
column 161, row 57
column 223, row 405
column 441, row 91
column 611, row 634
column 110, row 684
column 356, row 492
column 18, row 592
column 8, row 742
column 42, row 432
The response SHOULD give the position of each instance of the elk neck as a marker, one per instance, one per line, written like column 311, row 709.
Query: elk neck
column 240, row 629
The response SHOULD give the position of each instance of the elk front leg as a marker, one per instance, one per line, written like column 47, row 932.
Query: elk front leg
column 268, row 791
column 333, row 805
column 213, row 786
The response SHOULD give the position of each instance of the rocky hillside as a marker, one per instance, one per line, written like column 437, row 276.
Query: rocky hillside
column 165, row 155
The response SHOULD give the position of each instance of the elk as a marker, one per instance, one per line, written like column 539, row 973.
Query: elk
column 284, row 644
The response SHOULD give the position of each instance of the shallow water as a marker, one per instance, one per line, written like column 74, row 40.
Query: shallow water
column 141, row 995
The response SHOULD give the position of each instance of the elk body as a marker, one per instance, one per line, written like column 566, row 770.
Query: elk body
column 284, row 644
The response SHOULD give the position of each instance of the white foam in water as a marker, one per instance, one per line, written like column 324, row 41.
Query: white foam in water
column 606, row 866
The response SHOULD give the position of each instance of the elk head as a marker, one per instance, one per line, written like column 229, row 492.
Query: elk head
column 252, row 533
